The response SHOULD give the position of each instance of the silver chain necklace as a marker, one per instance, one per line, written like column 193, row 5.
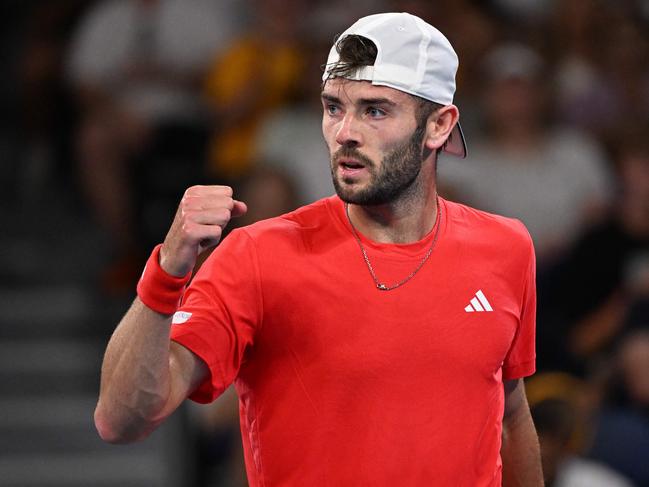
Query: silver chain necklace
column 384, row 287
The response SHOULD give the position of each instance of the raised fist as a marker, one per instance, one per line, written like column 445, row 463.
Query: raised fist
column 203, row 213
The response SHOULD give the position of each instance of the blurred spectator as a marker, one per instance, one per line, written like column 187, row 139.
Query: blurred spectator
column 603, row 77
column 524, row 20
column 529, row 11
column 560, row 409
column 622, row 435
column 578, row 42
column 600, row 288
column 268, row 192
column 554, row 179
column 257, row 74
column 290, row 138
column 37, row 113
column 136, row 66
column 626, row 380
column 634, row 365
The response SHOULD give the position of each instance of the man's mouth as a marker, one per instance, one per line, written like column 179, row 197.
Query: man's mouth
column 352, row 167
column 351, row 164
column 350, row 171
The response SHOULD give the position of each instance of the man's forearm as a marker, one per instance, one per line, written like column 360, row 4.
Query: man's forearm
column 520, row 451
column 135, row 377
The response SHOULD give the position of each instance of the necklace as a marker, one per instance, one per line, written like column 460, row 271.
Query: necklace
column 384, row 287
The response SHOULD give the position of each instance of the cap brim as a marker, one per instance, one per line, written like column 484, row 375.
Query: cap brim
column 455, row 144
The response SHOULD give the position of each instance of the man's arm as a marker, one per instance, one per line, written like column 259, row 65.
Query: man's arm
column 520, row 450
column 145, row 376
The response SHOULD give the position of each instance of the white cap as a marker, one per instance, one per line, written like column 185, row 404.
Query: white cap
column 413, row 57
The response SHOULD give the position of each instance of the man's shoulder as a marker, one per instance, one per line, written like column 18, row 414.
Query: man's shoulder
column 314, row 217
column 481, row 226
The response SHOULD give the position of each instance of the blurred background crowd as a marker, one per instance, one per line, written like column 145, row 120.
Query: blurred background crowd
column 111, row 108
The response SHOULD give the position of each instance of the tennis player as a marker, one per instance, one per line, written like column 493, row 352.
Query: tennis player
column 377, row 337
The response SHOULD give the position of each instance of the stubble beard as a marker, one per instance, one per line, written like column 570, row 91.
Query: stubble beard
column 395, row 178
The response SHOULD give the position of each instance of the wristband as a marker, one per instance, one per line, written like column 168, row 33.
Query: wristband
column 159, row 290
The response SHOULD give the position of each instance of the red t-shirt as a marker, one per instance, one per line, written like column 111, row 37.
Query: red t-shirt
column 342, row 384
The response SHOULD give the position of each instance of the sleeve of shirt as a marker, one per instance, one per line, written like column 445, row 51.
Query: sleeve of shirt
column 220, row 313
column 521, row 358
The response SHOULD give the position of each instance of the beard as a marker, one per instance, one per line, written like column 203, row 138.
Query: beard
column 397, row 173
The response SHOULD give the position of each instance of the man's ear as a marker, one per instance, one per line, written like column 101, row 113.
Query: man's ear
column 440, row 125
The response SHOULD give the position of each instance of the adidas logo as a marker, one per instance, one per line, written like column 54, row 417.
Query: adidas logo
column 479, row 303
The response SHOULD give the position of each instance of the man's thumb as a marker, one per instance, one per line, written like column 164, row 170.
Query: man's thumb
column 239, row 209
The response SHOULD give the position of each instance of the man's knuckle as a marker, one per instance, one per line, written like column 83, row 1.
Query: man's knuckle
column 225, row 214
column 184, row 206
column 187, row 230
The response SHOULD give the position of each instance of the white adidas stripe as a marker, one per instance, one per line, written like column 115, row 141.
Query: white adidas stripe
column 476, row 304
column 483, row 300
column 479, row 303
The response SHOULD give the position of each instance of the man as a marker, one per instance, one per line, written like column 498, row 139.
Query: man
column 377, row 337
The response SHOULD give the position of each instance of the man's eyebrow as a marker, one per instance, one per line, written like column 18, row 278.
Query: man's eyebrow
column 361, row 102
column 331, row 98
column 376, row 101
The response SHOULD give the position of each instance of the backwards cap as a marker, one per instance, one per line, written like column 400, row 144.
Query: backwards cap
column 413, row 57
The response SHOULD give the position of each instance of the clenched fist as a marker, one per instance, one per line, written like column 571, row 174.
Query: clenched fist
column 203, row 213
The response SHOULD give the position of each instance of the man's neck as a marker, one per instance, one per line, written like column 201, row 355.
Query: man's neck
column 403, row 221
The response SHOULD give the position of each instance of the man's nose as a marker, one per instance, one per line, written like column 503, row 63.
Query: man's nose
column 348, row 134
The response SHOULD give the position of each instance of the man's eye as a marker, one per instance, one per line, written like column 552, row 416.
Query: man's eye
column 332, row 109
column 375, row 112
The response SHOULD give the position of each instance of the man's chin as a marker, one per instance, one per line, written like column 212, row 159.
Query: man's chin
column 351, row 191
column 348, row 191
column 354, row 195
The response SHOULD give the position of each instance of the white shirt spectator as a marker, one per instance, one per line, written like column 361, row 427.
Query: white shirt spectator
column 178, row 36
column 579, row 472
column 551, row 188
column 292, row 140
